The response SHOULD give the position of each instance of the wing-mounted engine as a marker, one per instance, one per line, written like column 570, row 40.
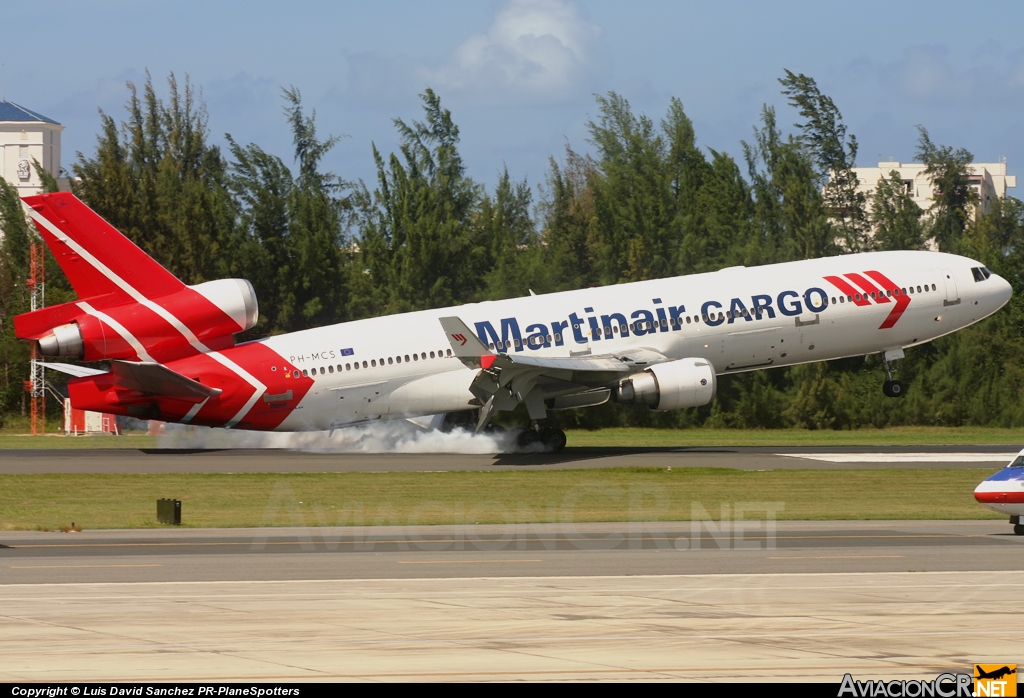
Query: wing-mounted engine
column 671, row 385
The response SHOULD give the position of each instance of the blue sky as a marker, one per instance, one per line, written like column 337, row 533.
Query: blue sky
column 519, row 75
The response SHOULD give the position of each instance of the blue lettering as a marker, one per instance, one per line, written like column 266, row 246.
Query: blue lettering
column 616, row 320
column 677, row 313
column 558, row 327
column 539, row 338
column 595, row 329
column 662, row 321
column 763, row 304
column 737, row 309
column 577, row 332
column 796, row 308
column 823, row 300
column 709, row 316
column 509, row 332
column 643, row 316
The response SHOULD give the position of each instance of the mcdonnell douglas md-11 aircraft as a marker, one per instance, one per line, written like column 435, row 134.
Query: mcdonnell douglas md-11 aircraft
column 660, row 343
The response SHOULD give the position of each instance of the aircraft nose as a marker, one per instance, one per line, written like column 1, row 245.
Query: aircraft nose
column 1001, row 290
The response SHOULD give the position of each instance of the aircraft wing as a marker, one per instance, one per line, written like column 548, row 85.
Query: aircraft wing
column 573, row 381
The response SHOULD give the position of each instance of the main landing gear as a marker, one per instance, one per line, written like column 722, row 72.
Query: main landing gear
column 892, row 387
column 552, row 438
column 1018, row 528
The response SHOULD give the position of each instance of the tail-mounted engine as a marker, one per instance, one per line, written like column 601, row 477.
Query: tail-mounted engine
column 669, row 386
column 205, row 315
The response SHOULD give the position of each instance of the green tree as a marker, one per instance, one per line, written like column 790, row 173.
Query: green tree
column 824, row 134
column 292, row 243
column 418, row 240
column 949, row 171
column 158, row 180
column 896, row 217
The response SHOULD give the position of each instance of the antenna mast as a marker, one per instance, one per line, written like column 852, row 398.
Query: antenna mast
column 35, row 386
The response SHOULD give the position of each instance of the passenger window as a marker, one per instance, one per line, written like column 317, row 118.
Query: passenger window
column 449, row 352
column 373, row 362
column 348, row 367
column 517, row 343
column 390, row 361
column 305, row 373
column 432, row 353
column 330, row 369
column 423, row 355
column 558, row 336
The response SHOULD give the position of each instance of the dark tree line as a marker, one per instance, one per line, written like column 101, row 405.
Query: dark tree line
column 643, row 200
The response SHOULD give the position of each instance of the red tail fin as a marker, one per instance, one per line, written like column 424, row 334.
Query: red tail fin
column 96, row 258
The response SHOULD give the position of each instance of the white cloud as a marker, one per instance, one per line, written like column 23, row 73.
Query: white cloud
column 539, row 50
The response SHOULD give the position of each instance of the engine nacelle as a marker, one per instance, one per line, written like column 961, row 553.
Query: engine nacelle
column 236, row 297
column 211, row 312
column 669, row 386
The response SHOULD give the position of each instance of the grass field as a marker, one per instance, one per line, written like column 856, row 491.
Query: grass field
column 328, row 499
column 629, row 437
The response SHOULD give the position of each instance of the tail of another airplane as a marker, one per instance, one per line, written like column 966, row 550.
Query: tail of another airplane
column 130, row 307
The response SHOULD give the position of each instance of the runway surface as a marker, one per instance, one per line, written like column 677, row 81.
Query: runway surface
column 288, row 461
column 597, row 601
column 699, row 547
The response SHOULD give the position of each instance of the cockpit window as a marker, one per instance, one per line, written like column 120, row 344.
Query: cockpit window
column 980, row 273
column 1017, row 463
column 986, row 272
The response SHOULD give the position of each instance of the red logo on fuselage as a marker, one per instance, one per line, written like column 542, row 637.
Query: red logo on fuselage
column 862, row 291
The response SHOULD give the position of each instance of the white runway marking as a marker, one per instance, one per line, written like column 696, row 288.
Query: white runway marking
column 905, row 457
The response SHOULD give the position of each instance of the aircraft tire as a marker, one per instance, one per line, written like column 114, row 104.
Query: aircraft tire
column 1018, row 529
column 893, row 389
column 526, row 438
column 554, row 439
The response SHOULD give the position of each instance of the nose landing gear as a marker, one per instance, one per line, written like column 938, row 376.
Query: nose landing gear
column 892, row 387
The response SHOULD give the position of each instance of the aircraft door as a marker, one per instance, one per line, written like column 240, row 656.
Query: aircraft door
column 952, row 293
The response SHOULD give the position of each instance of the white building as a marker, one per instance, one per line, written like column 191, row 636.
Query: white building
column 26, row 135
column 988, row 179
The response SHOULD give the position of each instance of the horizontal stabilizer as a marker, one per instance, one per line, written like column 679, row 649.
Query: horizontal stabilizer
column 157, row 379
column 72, row 369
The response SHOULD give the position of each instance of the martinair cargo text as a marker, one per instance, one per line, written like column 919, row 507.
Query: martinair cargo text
column 661, row 343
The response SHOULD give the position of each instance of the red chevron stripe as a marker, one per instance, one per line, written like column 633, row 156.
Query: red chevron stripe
column 902, row 300
column 867, row 287
column 847, row 289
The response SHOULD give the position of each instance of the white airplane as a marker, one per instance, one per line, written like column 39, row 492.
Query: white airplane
column 660, row 343
column 1003, row 492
